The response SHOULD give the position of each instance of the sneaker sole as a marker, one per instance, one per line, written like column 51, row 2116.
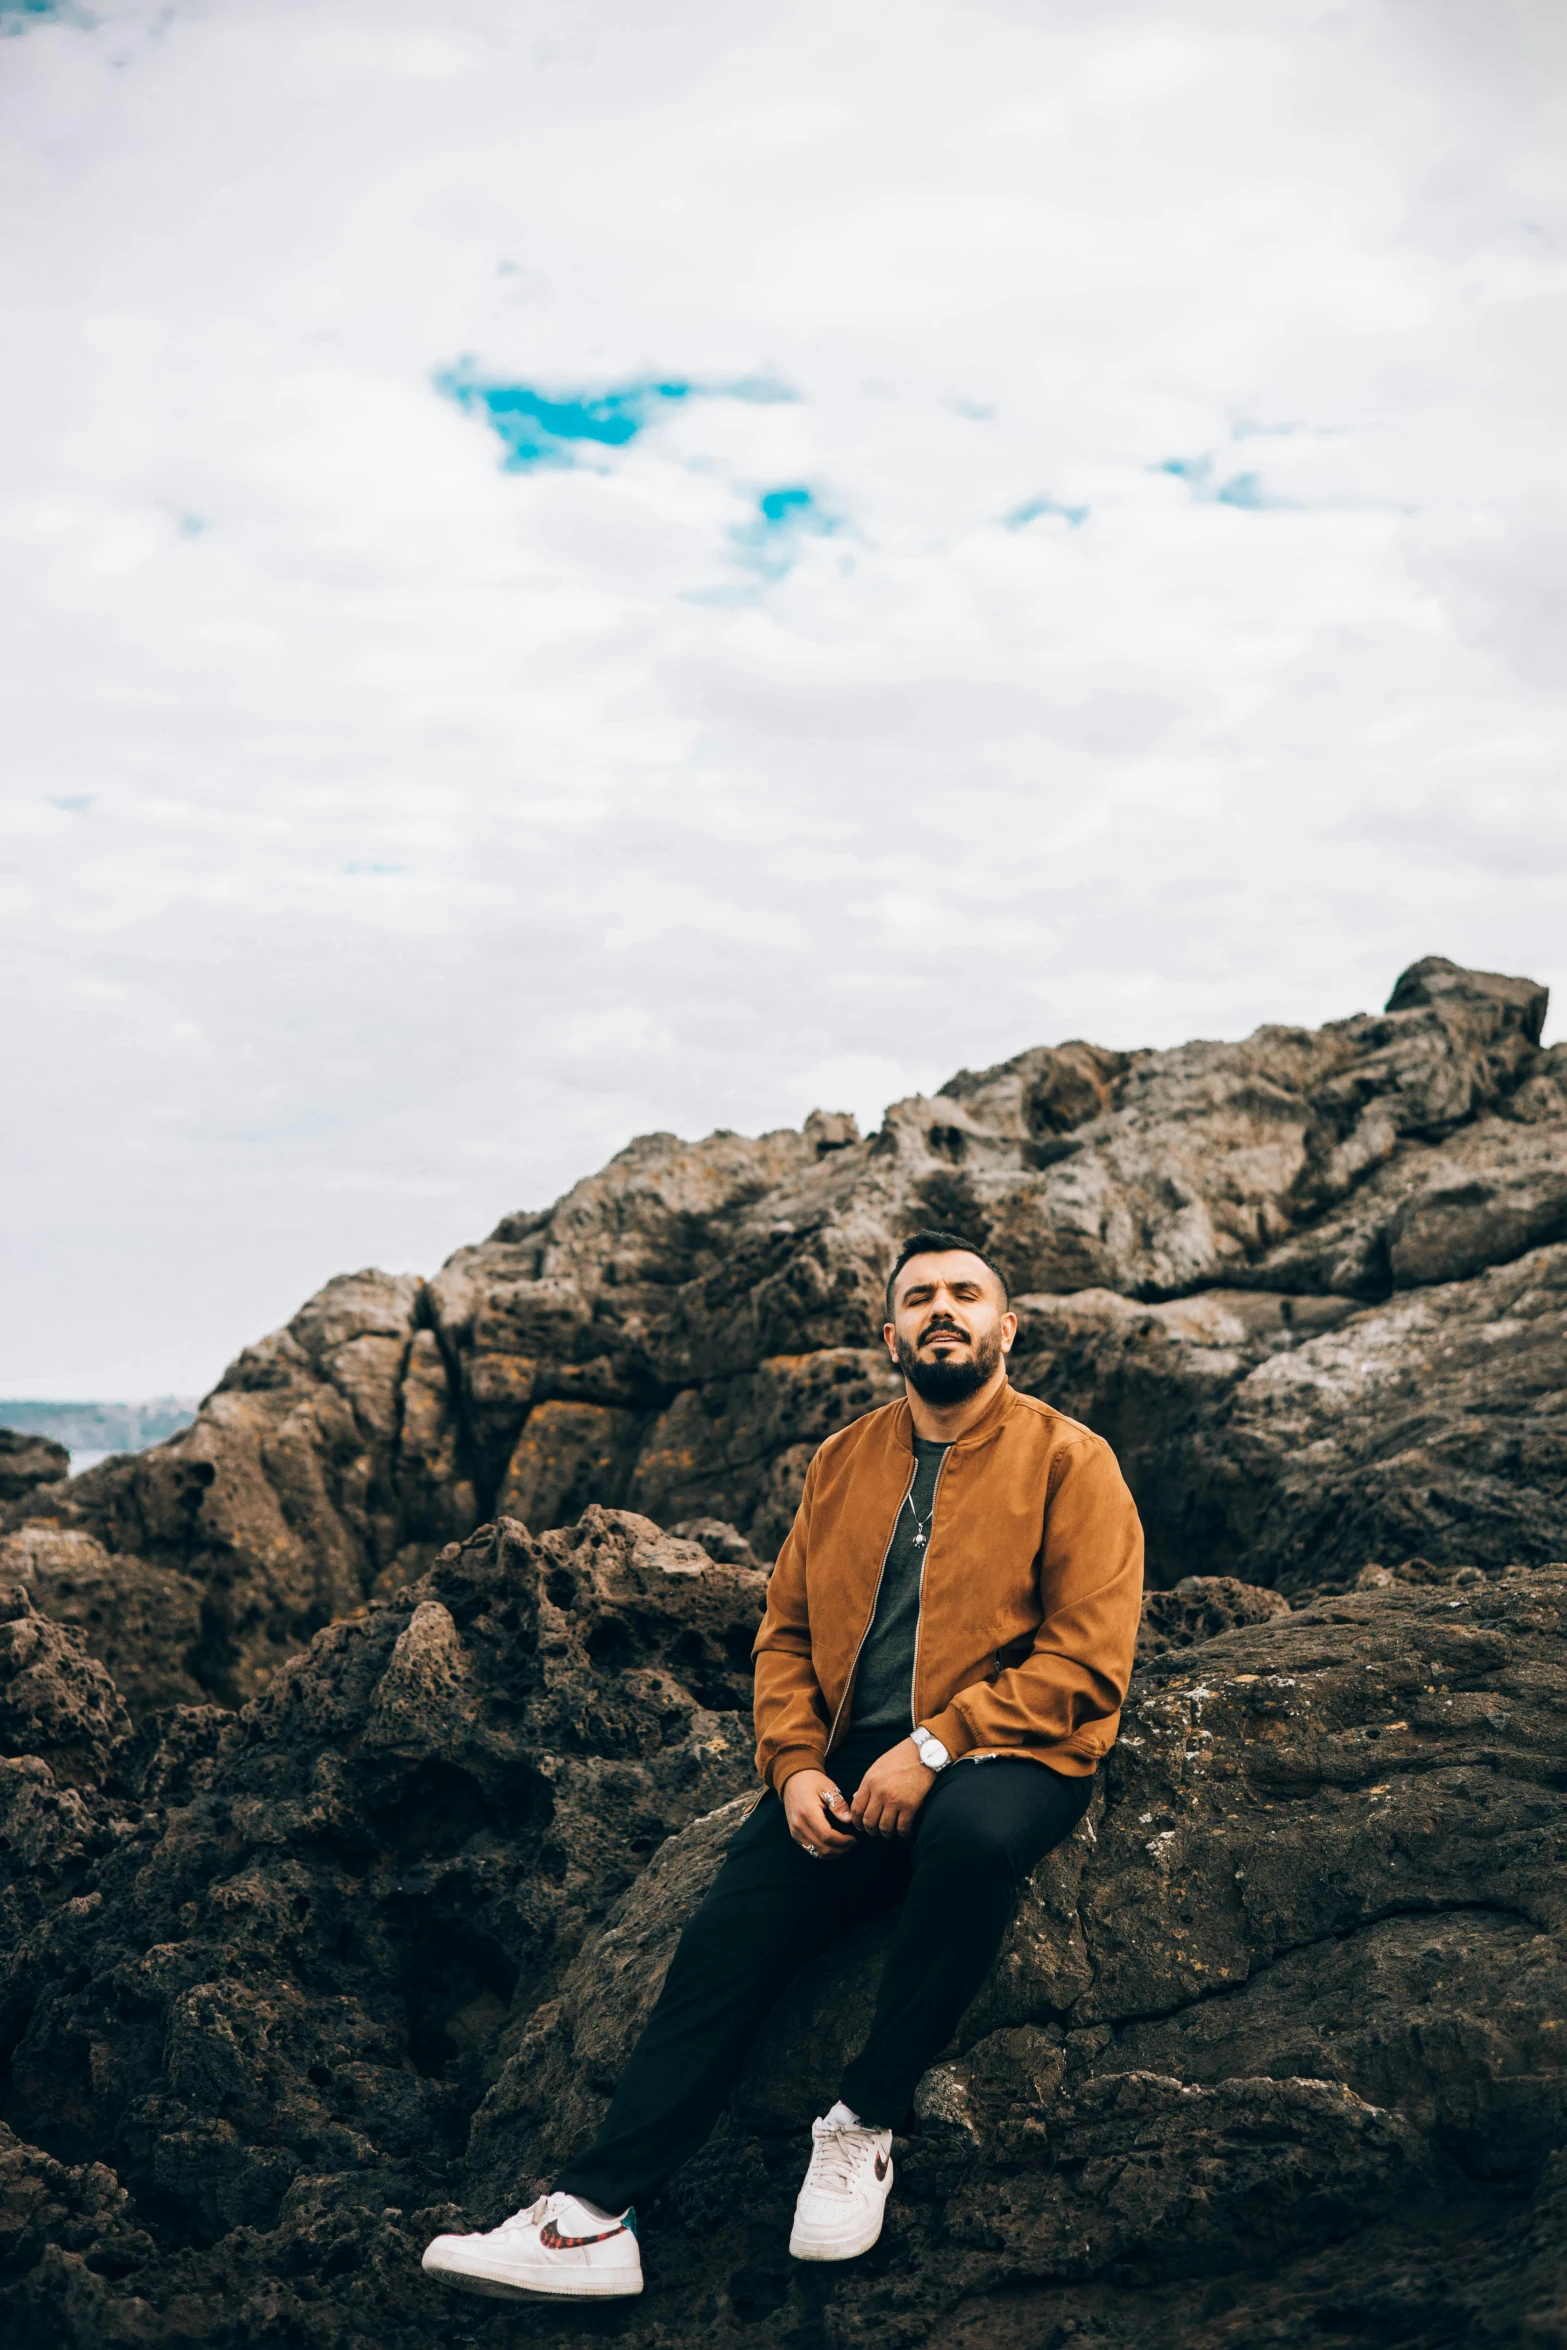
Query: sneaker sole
column 506, row 2289
column 803, row 2249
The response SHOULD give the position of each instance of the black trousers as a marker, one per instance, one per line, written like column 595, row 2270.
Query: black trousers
column 980, row 1831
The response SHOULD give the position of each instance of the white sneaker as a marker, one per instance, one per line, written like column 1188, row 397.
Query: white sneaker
column 555, row 2246
column 839, row 2209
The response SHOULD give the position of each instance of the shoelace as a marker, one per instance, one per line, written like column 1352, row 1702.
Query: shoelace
column 835, row 2156
column 524, row 2219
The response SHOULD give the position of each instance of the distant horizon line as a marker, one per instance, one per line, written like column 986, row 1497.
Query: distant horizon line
column 82, row 1403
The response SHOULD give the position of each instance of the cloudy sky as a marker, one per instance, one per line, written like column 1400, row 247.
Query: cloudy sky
column 575, row 568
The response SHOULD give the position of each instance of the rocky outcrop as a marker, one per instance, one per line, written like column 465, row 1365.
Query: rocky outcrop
column 1311, row 1286
column 58, row 1708
column 1294, row 1447
column 28, row 1461
column 1200, row 1608
column 322, row 1467
column 148, row 1625
column 292, row 1979
column 1271, row 2052
column 254, row 1964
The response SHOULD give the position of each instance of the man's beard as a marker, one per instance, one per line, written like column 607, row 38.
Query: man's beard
column 955, row 1380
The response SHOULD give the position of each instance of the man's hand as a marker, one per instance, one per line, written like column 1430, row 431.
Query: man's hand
column 810, row 1800
column 888, row 1798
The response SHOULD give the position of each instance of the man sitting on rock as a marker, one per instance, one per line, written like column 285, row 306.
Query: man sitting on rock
column 939, row 1673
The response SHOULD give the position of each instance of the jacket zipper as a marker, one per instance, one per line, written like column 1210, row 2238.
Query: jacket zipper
column 919, row 1605
column 854, row 1663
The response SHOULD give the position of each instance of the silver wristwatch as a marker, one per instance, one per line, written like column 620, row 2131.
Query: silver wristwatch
column 932, row 1753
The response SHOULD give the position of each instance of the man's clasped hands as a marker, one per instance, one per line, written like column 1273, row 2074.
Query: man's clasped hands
column 886, row 1802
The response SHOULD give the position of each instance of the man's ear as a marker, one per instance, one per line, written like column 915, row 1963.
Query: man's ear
column 889, row 1332
column 1008, row 1332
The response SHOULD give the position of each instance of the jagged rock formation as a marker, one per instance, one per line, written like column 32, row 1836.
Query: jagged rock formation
column 1272, row 2052
column 1200, row 1608
column 1312, row 1286
column 148, row 1624
column 28, row 1461
column 253, row 1963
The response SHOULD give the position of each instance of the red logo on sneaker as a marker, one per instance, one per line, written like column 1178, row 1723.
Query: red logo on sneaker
column 553, row 2241
column 881, row 2166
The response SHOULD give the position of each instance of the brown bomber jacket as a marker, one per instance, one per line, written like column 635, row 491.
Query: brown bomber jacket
column 1029, row 1602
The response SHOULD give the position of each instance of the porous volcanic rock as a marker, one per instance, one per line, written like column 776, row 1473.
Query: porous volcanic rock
column 321, row 1468
column 254, row 1963
column 58, row 1707
column 1311, row 1286
column 147, row 1624
column 1201, row 1607
column 1272, row 2052
column 28, row 1461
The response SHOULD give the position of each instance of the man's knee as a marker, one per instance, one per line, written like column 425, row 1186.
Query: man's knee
column 995, row 1826
column 753, row 1916
column 731, row 1959
column 973, row 1852
column 739, row 1918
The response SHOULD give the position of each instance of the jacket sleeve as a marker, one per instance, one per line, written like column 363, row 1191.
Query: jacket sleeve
column 1091, row 1594
column 791, row 1713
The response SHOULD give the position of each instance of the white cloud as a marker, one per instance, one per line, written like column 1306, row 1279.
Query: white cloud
column 389, row 835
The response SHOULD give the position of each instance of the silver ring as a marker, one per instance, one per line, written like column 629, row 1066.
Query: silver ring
column 811, row 1849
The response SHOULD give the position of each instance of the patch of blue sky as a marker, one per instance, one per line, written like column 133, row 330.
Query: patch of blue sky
column 1244, row 489
column 1201, row 476
column 567, row 428
column 1032, row 509
column 17, row 15
column 759, row 391
column 360, row 867
column 768, row 542
column 74, row 803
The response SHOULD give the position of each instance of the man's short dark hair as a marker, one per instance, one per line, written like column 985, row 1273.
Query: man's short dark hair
column 939, row 1244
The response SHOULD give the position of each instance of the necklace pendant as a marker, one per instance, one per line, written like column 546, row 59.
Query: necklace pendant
column 919, row 1539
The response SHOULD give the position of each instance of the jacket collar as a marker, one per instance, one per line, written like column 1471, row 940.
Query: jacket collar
column 985, row 1428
